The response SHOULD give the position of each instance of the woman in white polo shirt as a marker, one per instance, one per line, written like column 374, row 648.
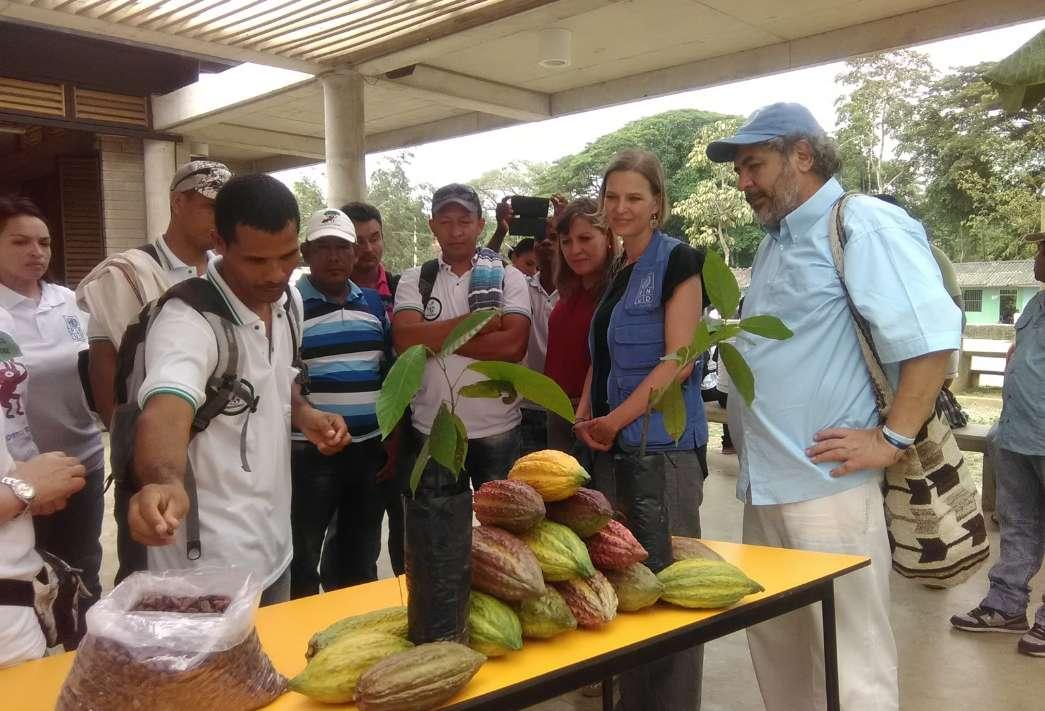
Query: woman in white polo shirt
column 51, row 331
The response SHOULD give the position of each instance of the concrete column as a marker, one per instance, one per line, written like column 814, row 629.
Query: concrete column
column 160, row 164
column 345, row 141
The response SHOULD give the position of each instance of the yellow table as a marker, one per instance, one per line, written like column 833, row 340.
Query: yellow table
column 543, row 669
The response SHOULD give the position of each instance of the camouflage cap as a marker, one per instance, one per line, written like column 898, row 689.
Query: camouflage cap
column 205, row 177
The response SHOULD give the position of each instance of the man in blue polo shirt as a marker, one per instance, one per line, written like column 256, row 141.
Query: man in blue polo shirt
column 346, row 345
column 812, row 451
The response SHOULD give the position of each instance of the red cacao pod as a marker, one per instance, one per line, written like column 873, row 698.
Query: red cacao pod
column 615, row 548
column 504, row 566
column 511, row 505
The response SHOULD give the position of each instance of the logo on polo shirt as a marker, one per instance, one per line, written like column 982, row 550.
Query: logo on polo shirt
column 433, row 308
column 242, row 400
column 72, row 325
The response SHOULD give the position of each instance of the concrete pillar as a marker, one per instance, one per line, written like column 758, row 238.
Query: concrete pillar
column 160, row 164
column 345, row 142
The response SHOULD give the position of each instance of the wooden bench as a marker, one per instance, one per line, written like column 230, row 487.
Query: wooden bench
column 971, row 438
column 979, row 357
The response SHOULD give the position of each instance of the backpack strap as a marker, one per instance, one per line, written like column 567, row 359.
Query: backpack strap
column 393, row 283
column 883, row 390
column 426, row 281
column 150, row 249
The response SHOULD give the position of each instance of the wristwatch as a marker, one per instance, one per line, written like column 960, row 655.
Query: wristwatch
column 22, row 489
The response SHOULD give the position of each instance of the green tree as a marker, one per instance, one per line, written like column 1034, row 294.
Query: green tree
column 668, row 135
column 310, row 198
column 518, row 177
column 715, row 210
column 982, row 169
column 884, row 91
column 408, row 240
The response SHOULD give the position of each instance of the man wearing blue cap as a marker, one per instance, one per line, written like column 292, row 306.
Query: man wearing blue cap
column 811, row 450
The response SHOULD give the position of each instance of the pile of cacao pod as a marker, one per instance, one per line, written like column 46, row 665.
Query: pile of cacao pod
column 368, row 659
column 549, row 557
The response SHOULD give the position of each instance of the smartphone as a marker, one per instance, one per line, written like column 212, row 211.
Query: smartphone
column 529, row 216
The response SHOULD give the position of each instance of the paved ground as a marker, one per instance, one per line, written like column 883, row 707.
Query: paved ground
column 939, row 668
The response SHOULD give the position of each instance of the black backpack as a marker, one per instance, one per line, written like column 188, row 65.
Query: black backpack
column 223, row 386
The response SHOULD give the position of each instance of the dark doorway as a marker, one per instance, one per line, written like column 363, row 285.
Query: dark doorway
column 1007, row 305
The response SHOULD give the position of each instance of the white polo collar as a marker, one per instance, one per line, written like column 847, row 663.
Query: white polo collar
column 50, row 297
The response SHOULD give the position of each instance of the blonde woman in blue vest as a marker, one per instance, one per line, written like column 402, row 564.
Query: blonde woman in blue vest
column 650, row 308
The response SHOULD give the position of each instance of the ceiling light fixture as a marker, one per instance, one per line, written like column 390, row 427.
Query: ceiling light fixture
column 554, row 50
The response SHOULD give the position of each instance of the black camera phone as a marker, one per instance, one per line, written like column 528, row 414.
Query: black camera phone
column 529, row 216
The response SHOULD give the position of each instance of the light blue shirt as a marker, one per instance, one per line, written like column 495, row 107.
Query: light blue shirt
column 1021, row 428
column 818, row 379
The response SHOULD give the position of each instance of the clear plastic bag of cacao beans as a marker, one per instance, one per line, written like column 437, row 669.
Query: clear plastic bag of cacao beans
column 173, row 641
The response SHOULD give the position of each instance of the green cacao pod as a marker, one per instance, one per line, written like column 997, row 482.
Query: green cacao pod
column 636, row 587
column 585, row 512
column 418, row 679
column 546, row 616
column 331, row 676
column 591, row 600
column 391, row 620
column 705, row 584
column 511, row 505
column 503, row 566
column 615, row 548
column 560, row 553
column 555, row 475
column 683, row 548
column 493, row 627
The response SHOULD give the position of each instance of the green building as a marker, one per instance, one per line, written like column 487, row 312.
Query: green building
column 996, row 292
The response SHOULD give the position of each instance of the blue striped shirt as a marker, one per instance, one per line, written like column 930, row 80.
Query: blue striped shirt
column 346, row 348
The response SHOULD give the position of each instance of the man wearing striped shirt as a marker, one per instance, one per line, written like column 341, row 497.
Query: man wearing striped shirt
column 346, row 346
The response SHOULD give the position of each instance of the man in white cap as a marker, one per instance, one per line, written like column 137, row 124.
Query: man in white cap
column 346, row 345
column 1020, row 443
column 115, row 291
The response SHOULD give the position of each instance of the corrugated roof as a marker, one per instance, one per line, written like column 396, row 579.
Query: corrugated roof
column 1019, row 272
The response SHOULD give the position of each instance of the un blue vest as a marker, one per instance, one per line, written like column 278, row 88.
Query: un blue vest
column 636, row 342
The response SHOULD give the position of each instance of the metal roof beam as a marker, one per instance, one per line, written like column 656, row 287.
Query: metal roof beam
column 81, row 24
column 471, row 93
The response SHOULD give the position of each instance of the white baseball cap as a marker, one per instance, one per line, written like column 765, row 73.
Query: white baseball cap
column 330, row 223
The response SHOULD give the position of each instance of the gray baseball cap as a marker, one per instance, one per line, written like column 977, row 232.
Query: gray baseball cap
column 205, row 177
column 769, row 122
column 459, row 194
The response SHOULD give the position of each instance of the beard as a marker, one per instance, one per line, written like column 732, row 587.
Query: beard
column 780, row 200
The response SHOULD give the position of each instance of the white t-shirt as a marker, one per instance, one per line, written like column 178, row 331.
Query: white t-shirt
column 14, row 393
column 51, row 334
column 483, row 417
column 20, row 636
column 541, row 304
column 114, row 303
column 244, row 515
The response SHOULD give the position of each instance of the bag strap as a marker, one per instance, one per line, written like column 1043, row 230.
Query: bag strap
column 883, row 390
column 150, row 249
column 426, row 281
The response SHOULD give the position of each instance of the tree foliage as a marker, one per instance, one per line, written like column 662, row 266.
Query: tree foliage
column 982, row 170
column 716, row 209
column 310, row 198
column 668, row 135
column 404, row 213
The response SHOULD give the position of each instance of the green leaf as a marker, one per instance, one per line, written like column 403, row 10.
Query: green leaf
column 739, row 373
column 466, row 330
column 725, row 333
column 535, row 387
column 419, row 466
column 461, row 452
column 672, row 407
column 767, row 327
column 401, row 384
column 721, row 284
column 443, row 439
column 490, row 389
column 701, row 339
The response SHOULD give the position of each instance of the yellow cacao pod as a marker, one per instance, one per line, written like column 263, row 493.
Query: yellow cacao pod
column 331, row 676
column 705, row 584
column 555, row 475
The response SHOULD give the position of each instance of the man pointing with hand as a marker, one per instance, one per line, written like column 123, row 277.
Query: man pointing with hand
column 239, row 465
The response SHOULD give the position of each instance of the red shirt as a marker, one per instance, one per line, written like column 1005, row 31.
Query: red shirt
column 568, row 357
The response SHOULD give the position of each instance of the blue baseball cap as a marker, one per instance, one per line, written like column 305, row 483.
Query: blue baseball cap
column 766, row 123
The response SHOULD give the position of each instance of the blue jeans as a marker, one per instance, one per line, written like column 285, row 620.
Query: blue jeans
column 1021, row 515
column 488, row 459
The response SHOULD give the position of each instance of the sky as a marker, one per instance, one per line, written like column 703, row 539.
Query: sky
column 465, row 158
